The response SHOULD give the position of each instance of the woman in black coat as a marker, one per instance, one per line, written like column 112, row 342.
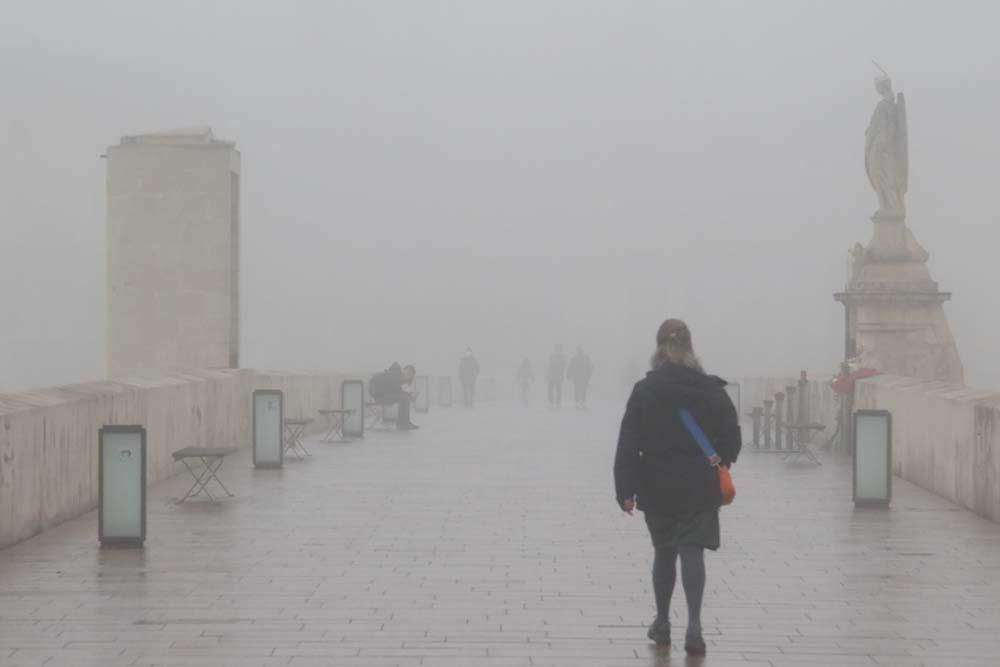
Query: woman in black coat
column 660, row 469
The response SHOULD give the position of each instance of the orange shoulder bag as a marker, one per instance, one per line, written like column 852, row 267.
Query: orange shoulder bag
column 726, row 487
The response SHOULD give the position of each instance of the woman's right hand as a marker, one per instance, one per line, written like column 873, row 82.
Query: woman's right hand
column 628, row 505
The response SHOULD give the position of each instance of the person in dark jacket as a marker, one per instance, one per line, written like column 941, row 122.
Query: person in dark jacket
column 556, row 376
column 660, row 470
column 468, row 372
column 394, row 386
column 579, row 372
column 525, row 378
column 407, row 394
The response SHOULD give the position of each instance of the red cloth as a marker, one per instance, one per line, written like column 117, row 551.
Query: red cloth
column 843, row 384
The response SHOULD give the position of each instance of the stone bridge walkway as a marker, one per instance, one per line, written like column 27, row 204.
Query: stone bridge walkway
column 491, row 539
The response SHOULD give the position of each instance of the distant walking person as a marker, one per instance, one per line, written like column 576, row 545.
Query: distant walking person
column 660, row 468
column 525, row 378
column 579, row 372
column 556, row 376
column 468, row 371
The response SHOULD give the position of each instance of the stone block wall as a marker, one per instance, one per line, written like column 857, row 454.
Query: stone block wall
column 48, row 438
column 946, row 437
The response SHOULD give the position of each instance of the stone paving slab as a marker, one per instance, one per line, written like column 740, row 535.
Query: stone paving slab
column 490, row 538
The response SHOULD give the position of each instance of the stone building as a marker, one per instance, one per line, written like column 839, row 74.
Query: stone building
column 173, row 252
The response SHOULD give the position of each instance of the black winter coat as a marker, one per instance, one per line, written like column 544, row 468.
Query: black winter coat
column 657, row 459
column 468, row 370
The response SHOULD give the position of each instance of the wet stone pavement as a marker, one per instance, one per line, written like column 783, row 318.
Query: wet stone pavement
column 490, row 538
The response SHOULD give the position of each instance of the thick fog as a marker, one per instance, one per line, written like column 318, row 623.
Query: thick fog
column 419, row 177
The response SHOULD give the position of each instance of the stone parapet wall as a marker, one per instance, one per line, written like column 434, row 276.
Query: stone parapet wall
column 946, row 437
column 48, row 438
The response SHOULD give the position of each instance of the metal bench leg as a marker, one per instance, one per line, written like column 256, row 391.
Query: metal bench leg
column 331, row 432
column 336, row 431
column 293, row 443
column 199, row 475
column 802, row 451
column 207, row 474
column 213, row 472
column 298, row 444
column 203, row 475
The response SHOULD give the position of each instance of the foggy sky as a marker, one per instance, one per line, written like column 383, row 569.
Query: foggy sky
column 422, row 176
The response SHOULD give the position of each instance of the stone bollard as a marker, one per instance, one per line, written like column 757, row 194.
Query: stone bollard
column 803, row 410
column 790, row 416
column 757, row 414
column 768, row 416
column 779, row 419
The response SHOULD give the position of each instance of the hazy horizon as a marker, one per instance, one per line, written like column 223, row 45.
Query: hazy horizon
column 422, row 177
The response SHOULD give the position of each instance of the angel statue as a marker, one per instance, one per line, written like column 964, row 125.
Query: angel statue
column 886, row 150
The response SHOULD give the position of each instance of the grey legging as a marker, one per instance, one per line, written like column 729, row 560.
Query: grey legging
column 692, row 576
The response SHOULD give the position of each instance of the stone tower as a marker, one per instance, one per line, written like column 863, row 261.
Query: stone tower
column 173, row 252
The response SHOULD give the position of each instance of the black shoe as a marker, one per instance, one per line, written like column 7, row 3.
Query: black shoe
column 694, row 645
column 659, row 632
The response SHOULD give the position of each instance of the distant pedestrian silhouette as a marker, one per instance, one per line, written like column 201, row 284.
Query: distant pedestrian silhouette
column 468, row 372
column 525, row 378
column 581, row 368
column 556, row 376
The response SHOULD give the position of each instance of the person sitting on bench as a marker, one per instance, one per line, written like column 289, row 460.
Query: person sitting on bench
column 395, row 386
column 407, row 394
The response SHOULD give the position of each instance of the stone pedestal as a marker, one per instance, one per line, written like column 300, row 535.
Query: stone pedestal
column 895, row 320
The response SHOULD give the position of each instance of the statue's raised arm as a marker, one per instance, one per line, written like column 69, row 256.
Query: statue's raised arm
column 887, row 151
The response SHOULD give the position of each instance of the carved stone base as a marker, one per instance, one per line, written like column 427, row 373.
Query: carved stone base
column 895, row 311
column 893, row 242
